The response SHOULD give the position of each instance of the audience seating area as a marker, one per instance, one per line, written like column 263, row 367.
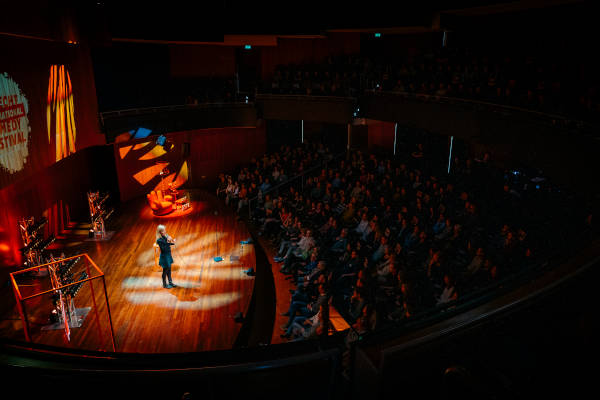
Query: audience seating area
column 384, row 239
column 529, row 81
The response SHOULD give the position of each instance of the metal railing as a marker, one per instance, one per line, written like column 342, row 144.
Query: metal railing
column 292, row 96
column 550, row 118
column 173, row 107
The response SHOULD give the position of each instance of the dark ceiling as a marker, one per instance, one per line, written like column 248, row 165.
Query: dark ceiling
column 203, row 20
column 209, row 20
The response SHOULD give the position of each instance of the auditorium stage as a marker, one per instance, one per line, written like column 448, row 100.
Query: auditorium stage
column 198, row 315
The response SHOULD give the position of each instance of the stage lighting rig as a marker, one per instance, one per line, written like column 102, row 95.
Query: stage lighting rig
column 73, row 290
column 33, row 240
column 99, row 213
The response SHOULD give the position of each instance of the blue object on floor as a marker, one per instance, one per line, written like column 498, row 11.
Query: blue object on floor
column 217, row 259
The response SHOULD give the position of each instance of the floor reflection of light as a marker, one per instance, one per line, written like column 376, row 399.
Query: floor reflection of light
column 189, row 250
column 167, row 298
column 217, row 274
column 193, row 268
column 153, row 282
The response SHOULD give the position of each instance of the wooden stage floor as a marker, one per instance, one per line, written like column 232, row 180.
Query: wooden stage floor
column 198, row 315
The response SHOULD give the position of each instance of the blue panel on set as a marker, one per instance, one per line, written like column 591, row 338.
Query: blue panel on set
column 161, row 140
column 142, row 133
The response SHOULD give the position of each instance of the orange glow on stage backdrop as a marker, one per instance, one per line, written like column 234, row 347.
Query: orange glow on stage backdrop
column 48, row 115
column 211, row 151
column 60, row 111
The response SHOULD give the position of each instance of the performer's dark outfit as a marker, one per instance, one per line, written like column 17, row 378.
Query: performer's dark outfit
column 165, row 259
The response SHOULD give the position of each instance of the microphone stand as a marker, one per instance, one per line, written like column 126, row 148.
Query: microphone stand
column 218, row 258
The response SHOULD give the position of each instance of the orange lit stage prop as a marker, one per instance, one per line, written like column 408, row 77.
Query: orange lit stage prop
column 165, row 198
column 41, row 293
column 165, row 203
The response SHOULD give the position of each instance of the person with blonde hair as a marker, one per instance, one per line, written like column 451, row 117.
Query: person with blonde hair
column 165, row 260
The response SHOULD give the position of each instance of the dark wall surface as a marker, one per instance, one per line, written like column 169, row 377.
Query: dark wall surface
column 512, row 136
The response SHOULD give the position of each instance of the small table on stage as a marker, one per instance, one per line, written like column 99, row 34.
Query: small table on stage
column 181, row 199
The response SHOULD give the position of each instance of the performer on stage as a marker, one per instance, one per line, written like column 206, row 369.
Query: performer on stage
column 165, row 242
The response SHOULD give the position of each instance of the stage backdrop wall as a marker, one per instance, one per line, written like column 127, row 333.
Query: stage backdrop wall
column 58, row 193
column 196, row 159
column 48, row 106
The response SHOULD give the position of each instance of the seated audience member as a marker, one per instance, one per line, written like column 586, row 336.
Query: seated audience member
column 340, row 243
column 312, row 274
column 231, row 191
column 242, row 198
column 380, row 250
column 385, row 268
column 445, row 232
column 362, row 225
column 449, row 293
column 357, row 304
column 304, row 327
column 476, row 263
column 306, row 309
column 265, row 186
column 297, row 251
column 222, row 186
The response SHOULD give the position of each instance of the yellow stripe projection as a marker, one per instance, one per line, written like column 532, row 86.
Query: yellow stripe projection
column 156, row 152
column 182, row 176
column 176, row 180
column 140, row 145
column 61, row 107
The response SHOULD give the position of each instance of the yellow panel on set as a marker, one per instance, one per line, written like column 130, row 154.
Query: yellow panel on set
column 140, row 145
column 183, row 172
column 156, row 152
column 182, row 176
